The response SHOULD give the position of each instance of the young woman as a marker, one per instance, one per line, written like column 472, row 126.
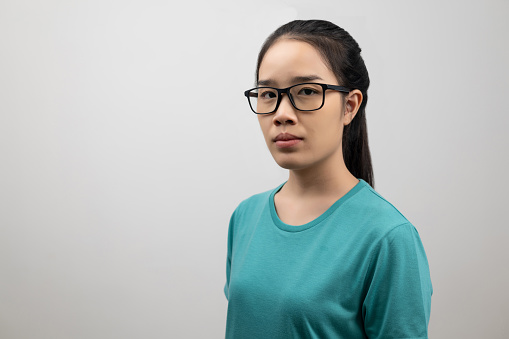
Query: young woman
column 323, row 255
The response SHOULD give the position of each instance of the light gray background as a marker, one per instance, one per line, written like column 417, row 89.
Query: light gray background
column 126, row 143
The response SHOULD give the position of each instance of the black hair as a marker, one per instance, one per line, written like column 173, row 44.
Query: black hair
column 343, row 55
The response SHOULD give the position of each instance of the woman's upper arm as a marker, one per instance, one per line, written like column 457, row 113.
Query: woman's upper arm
column 398, row 298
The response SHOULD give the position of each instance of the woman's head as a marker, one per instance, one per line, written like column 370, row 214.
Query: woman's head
column 340, row 53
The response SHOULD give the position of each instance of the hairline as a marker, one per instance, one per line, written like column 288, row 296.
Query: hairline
column 306, row 38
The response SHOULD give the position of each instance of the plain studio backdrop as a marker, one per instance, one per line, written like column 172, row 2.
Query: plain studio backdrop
column 126, row 143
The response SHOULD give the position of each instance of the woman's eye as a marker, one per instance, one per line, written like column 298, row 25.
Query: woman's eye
column 267, row 95
column 307, row 91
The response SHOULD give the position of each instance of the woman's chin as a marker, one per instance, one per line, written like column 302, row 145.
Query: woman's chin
column 288, row 163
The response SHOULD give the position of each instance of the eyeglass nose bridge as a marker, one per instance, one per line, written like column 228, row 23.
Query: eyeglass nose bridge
column 280, row 92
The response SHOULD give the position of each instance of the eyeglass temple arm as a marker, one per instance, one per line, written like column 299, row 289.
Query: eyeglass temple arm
column 250, row 94
column 339, row 88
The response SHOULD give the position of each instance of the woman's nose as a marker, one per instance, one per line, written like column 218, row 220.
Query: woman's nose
column 285, row 113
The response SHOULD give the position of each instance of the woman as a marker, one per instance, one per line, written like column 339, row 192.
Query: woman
column 322, row 255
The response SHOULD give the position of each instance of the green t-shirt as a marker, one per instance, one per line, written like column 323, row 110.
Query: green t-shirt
column 357, row 271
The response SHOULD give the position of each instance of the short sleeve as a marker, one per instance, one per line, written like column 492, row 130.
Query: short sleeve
column 398, row 299
column 229, row 256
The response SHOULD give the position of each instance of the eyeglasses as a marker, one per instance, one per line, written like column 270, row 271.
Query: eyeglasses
column 307, row 96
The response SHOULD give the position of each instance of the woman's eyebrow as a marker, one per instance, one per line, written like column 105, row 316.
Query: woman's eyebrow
column 267, row 82
column 294, row 80
column 306, row 78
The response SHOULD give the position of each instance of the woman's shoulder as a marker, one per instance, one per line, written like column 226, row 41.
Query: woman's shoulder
column 256, row 201
column 377, row 212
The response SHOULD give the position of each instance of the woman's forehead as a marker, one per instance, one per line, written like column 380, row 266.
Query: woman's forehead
column 290, row 60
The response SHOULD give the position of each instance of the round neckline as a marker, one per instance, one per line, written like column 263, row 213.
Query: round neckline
column 291, row 228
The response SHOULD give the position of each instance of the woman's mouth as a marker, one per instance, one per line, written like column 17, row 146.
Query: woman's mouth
column 286, row 140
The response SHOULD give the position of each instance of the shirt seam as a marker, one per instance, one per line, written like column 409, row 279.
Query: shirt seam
column 319, row 222
column 377, row 245
column 388, row 202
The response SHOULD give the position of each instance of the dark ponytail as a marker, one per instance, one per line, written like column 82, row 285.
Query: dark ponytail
column 343, row 55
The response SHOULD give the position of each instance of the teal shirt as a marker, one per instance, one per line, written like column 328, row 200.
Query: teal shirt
column 357, row 271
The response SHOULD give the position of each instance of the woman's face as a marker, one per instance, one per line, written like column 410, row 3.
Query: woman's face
column 316, row 136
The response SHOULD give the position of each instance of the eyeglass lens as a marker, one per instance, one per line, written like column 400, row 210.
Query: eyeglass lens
column 306, row 97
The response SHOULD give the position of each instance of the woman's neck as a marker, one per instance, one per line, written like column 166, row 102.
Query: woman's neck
column 331, row 179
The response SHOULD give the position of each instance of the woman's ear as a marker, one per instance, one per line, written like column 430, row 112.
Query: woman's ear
column 353, row 101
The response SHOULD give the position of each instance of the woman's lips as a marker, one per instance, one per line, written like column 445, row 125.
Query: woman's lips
column 286, row 140
column 287, row 143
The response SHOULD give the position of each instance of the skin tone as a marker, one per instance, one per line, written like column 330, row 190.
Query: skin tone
column 318, row 176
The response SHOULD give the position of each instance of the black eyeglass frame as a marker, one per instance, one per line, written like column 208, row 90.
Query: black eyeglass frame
column 280, row 91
